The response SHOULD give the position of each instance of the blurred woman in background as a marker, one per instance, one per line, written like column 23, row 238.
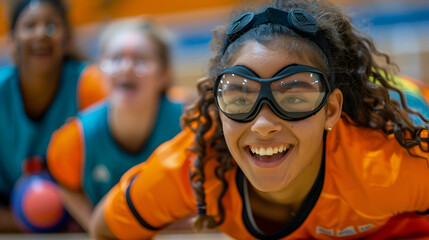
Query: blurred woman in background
column 46, row 86
column 88, row 155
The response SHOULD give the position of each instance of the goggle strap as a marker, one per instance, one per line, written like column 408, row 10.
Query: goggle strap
column 302, row 24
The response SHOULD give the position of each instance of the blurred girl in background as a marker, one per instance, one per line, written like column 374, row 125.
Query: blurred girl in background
column 45, row 87
column 88, row 155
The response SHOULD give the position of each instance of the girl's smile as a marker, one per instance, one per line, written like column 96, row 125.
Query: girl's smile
column 266, row 157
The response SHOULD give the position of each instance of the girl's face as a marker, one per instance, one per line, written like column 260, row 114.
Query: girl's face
column 133, row 69
column 40, row 38
column 270, row 151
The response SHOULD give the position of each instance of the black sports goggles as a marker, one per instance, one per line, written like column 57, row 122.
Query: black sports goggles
column 294, row 93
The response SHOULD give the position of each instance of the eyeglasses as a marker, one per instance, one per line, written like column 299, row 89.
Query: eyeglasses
column 48, row 30
column 114, row 66
column 294, row 93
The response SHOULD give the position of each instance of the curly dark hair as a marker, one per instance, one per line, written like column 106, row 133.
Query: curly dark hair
column 364, row 82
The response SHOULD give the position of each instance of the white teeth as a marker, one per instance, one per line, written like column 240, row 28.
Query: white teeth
column 276, row 150
column 268, row 151
column 254, row 150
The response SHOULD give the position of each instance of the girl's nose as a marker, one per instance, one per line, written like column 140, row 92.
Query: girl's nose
column 266, row 122
column 40, row 31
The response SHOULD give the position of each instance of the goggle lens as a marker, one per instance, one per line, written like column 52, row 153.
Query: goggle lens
column 302, row 92
column 236, row 94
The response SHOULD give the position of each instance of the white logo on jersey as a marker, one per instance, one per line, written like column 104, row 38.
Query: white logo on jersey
column 101, row 174
column 344, row 232
column 329, row 232
column 364, row 228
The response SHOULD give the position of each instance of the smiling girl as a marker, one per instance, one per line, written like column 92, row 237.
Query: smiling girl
column 88, row 155
column 294, row 136
column 46, row 86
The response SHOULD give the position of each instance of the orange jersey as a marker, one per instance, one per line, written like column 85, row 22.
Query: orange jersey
column 91, row 87
column 368, row 185
column 65, row 153
column 83, row 154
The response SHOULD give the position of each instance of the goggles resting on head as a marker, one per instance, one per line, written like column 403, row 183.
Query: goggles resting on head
column 294, row 93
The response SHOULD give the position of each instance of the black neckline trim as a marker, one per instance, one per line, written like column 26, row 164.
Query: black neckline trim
column 308, row 204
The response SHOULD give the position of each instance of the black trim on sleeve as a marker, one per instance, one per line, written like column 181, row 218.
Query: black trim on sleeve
column 423, row 213
column 142, row 222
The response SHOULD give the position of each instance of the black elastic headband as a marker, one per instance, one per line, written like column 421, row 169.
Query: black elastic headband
column 20, row 8
column 296, row 20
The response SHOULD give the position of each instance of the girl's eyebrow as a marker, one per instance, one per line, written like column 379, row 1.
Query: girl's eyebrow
column 241, row 88
column 296, row 84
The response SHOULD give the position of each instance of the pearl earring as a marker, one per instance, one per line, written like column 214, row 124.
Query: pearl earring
column 329, row 129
